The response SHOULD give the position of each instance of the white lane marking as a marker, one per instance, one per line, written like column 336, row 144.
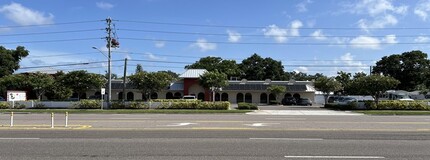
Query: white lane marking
column 289, row 139
column 336, row 157
column 260, row 124
column 129, row 118
column 18, row 138
column 178, row 124
column 287, row 118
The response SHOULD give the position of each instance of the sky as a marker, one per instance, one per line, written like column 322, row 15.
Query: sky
column 309, row 36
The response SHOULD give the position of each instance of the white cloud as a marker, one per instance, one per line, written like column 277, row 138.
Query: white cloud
column 382, row 13
column 25, row 16
column 349, row 60
column 204, row 45
column 391, row 39
column 377, row 7
column 302, row 7
column 422, row 8
column 104, row 5
column 301, row 69
column 295, row 25
column 151, row 56
column 422, row 39
column 160, row 44
column 233, row 36
column 279, row 34
column 378, row 22
column 318, row 35
column 365, row 42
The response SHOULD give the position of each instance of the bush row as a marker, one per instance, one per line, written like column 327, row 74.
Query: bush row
column 384, row 105
column 7, row 105
column 247, row 106
column 195, row 105
column 131, row 105
column 397, row 105
column 173, row 100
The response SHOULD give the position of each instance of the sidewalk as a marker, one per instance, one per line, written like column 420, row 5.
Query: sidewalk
column 304, row 112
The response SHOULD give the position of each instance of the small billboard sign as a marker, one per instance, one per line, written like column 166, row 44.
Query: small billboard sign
column 16, row 96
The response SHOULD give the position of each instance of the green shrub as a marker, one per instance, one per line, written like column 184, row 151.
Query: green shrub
column 19, row 106
column 88, row 104
column 40, row 106
column 195, row 105
column 4, row 105
column 247, row 106
column 117, row 105
column 137, row 105
column 174, row 100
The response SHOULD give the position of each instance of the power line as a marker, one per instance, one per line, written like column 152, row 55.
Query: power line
column 51, row 24
column 47, row 41
column 61, row 55
column 63, row 65
column 43, row 33
column 259, row 27
column 255, row 35
column 271, row 43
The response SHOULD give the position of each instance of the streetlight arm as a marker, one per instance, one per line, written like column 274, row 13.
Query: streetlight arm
column 100, row 51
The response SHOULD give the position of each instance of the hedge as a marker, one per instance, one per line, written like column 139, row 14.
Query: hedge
column 247, row 106
column 88, row 104
column 195, row 105
column 174, row 100
column 385, row 105
column 4, row 105
column 131, row 105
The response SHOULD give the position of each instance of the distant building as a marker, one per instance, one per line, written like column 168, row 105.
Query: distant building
column 236, row 91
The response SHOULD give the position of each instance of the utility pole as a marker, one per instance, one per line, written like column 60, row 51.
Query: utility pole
column 124, row 79
column 109, row 44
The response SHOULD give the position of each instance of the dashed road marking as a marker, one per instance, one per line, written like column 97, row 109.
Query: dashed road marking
column 336, row 157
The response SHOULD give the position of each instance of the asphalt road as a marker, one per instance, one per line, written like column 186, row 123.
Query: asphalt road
column 214, row 136
column 212, row 144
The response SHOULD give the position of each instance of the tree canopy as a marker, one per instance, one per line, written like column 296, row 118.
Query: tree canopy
column 327, row 85
column 213, row 79
column 82, row 81
column 374, row 85
column 228, row 67
column 257, row 68
column 9, row 59
column 40, row 83
column 276, row 90
column 410, row 68
column 151, row 82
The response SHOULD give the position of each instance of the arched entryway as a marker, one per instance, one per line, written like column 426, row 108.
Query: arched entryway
column 248, row 98
column 224, row 97
column 120, row 96
column 201, row 96
column 130, row 96
column 296, row 96
column 239, row 98
column 272, row 98
column 169, row 95
column 217, row 97
column 177, row 95
column 154, row 96
column 287, row 95
column 263, row 98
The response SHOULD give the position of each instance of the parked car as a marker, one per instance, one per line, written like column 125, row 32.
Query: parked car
column 2, row 99
column 346, row 100
column 190, row 97
column 289, row 101
column 304, row 102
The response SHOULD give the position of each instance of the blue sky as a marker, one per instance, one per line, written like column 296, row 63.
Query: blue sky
column 310, row 36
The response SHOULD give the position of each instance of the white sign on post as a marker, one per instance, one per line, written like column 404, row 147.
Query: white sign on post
column 103, row 91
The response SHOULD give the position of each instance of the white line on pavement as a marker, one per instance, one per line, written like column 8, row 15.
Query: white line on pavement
column 289, row 139
column 18, row 138
column 129, row 118
column 287, row 118
column 336, row 157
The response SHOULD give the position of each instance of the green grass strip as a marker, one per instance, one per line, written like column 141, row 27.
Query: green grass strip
column 394, row 112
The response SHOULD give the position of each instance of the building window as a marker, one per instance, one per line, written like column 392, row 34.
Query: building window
column 248, row 98
column 239, row 97
column 154, row 96
column 201, row 96
column 130, row 96
column 263, row 98
column 224, row 97
column 169, row 95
